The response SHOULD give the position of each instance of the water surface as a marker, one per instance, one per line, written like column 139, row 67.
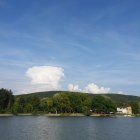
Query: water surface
column 69, row 128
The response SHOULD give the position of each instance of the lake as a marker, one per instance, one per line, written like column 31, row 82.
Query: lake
column 69, row 128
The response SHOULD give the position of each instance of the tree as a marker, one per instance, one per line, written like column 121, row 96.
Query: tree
column 44, row 105
column 76, row 102
column 135, row 107
column 6, row 99
column 28, row 108
column 50, row 105
column 35, row 102
column 79, row 102
column 103, row 105
column 62, row 103
column 19, row 105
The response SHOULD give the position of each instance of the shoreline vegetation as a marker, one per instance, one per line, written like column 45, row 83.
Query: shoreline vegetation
column 63, row 103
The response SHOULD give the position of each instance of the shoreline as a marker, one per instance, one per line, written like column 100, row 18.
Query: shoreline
column 68, row 115
column 6, row 115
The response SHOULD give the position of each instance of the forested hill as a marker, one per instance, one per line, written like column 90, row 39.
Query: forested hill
column 115, row 97
column 65, row 102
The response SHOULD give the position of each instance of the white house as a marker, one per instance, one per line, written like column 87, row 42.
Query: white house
column 124, row 110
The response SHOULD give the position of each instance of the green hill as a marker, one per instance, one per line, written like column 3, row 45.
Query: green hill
column 123, row 98
column 119, row 98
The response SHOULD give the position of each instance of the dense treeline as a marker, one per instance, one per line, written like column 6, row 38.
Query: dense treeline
column 67, row 103
column 62, row 102
column 26, row 105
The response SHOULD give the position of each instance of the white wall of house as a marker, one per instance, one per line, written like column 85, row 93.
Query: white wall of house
column 122, row 110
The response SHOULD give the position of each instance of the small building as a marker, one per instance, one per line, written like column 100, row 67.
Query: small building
column 124, row 110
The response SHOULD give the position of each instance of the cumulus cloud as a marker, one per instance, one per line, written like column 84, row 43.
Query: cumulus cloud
column 90, row 88
column 45, row 75
column 120, row 92
column 93, row 88
column 72, row 87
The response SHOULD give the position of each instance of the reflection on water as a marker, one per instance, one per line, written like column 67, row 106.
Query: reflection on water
column 69, row 128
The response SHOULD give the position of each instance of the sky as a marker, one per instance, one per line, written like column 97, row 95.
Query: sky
column 77, row 45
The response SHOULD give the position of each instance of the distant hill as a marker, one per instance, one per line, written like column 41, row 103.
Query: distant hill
column 123, row 98
column 119, row 98
column 42, row 94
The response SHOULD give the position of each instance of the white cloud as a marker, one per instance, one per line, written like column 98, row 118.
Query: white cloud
column 72, row 87
column 90, row 88
column 93, row 88
column 120, row 92
column 46, row 75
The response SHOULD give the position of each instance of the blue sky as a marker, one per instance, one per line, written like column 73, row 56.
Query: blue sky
column 93, row 41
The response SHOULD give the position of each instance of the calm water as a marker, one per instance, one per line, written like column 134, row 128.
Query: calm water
column 69, row 128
